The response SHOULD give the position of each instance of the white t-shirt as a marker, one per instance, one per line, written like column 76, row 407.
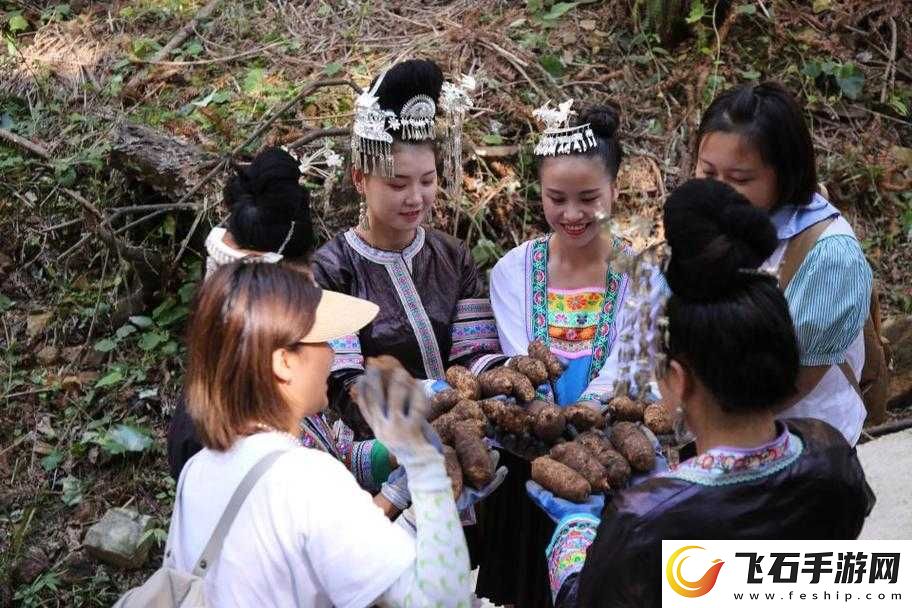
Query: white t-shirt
column 307, row 535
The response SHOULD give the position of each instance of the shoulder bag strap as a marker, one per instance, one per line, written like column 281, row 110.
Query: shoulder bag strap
column 214, row 546
column 797, row 250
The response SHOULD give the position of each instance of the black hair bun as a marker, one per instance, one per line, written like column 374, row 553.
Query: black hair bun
column 264, row 199
column 604, row 120
column 713, row 233
column 407, row 79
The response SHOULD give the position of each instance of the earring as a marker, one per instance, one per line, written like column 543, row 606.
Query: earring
column 363, row 219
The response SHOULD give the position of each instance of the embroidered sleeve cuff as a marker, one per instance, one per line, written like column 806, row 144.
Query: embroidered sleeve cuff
column 566, row 554
column 814, row 359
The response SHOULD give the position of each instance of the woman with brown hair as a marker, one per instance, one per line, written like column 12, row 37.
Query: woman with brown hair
column 306, row 535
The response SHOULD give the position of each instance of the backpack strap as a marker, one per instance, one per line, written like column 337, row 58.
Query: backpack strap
column 850, row 376
column 797, row 250
column 214, row 546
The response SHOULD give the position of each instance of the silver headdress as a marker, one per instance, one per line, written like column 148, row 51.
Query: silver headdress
column 558, row 137
column 372, row 142
column 456, row 100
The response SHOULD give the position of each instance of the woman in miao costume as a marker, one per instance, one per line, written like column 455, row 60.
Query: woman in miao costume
column 559, row 289
column 434, row 311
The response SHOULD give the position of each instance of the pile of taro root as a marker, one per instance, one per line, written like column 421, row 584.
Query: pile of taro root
column 575, row 450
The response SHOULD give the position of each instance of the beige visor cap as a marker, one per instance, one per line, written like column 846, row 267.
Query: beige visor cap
column 339, row 315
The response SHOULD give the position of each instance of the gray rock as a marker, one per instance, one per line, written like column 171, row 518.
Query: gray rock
column 115, row 539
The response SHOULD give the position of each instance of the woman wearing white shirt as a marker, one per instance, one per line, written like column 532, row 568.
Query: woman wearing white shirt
column 306, row 535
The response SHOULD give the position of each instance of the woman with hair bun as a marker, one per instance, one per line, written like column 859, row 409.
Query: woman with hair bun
column 270, row 220
column 754, row 138
column 731, row 359
column 560, row 290
column 434, row 310
column 270, row 213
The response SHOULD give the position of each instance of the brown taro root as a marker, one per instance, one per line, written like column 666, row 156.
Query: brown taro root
column 560, row 479
column 522, row 386
column 616, row 466
column 583, row 417
column 463, row 381
column 548, row 422
column 507, row 417
column 625, row 409
column 538, row 350
column 445, row 425
column 584, row 462
column 477, row 466
column 629, row 440
column 495, row 382
column 533, row 369
column 443, row 402
column 658, row 419
column 453, row 469
column 465, row 409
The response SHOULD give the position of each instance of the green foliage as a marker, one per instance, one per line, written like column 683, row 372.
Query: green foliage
column 849, row 80
column 16, row 22
column 31, row 596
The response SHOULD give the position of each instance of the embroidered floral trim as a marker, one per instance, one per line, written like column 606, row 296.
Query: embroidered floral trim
column 726, row 466
column 469, row 347
column 605, row 333
column 473, row 330
column 346, row 344
column 473, row 308
column 315, row 433
column 485, row 361
column 567, row 552
column 349, row 361
column 572, row 334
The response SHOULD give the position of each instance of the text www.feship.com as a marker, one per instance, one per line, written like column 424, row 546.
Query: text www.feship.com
column 823, row 595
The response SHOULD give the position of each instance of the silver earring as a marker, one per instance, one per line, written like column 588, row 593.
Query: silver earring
column 363, row 219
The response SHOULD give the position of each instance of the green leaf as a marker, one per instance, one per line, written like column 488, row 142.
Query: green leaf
column 5, row 303
column 106, row 345
column 812, row 69
column 17, row 23
column 559, row 10
column 141, row 322
column 332, row 69
column 697, row 12
column 192, row 49
column 254, row 81
column 552, row 64
column 109, row 379
column 485, row 252
column 52, row 460
column 124, row 331
column 850, row 80
column 186, row 292
column 72, row 491
column 127, row 438
column 152, row 339
column 821, row 5
column 751, row 74
column 493, row 139
column 535, row 6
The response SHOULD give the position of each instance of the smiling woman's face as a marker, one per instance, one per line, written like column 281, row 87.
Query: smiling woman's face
column 730, row 158
column 574, row 190
column 401, row 202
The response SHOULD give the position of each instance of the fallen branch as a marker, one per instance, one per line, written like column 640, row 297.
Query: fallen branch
column 317, row 134
column 26, row 144
column 176, row 40
column 224, row 59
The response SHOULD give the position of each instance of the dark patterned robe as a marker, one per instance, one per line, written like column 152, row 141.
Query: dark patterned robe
column 434, row 311
column 815, row 489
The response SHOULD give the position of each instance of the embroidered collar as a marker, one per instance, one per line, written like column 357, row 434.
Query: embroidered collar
column 790, row 220
column 726, row 465
column 383, row 256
